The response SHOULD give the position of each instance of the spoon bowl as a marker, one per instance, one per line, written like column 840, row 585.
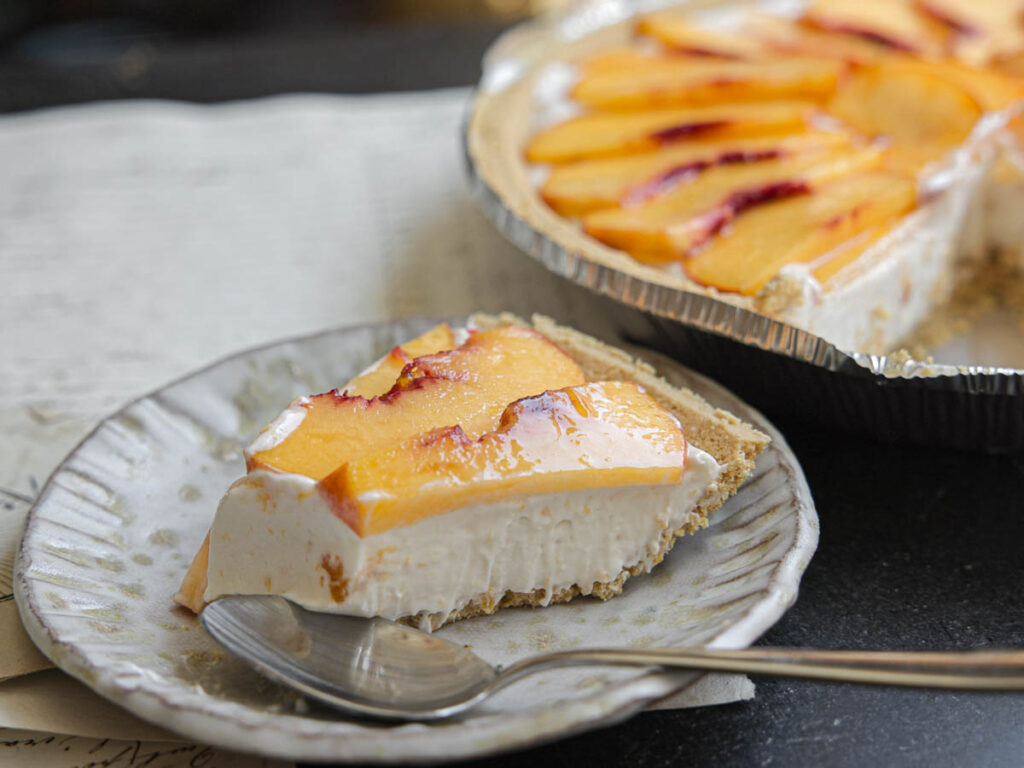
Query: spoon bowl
column 371, row 667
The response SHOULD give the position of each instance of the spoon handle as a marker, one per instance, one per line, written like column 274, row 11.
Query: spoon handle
column 992, row 670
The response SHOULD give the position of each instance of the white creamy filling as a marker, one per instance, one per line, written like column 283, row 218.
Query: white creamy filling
column 274, row 534
column 891, row 288
column 1004, row 215
column 276, row 432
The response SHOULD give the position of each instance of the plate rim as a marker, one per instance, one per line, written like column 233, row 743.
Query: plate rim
column 535, row 727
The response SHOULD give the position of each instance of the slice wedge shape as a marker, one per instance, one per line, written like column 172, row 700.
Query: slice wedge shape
column 618, row 435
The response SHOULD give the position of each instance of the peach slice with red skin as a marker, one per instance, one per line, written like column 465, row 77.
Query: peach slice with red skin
column 789, row 37
column 468, row 386
column 618, row 133
column 598, row 435
column 579, row 188
column 379, row 378
column 676, row 30
column 799, row 230
column 673, row 225
column 677, row 82
column 894, row 24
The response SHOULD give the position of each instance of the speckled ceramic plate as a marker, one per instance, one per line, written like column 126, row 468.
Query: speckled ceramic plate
column 118, row 522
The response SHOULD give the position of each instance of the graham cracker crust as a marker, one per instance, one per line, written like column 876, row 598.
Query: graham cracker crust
column 998, row 283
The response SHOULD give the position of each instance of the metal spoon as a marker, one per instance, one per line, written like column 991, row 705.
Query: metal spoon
column 382, row 669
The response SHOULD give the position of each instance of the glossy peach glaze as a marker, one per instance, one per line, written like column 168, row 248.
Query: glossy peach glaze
column 468, row 386
column 598, row 435
column 382, row 376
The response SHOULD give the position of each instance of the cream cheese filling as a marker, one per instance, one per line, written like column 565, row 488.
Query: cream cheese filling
column 274, row 534
column 278, row 430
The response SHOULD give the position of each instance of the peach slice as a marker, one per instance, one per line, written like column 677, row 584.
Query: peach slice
column 991, row 90
column 579, row 188
column 983, row 30
column 603, row 135
column 671, row 226
column 827, row 266
column 793, row 38
column 690, row 81
column 907, row 104
column 382, row 376
column 621, row 59
column 676, row 30
column 895, row 24
column 1012, row 65
column 468, row 386
column 799, row 230
column 621, row 436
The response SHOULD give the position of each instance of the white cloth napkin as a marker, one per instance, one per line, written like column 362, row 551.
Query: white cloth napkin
column 139, row 240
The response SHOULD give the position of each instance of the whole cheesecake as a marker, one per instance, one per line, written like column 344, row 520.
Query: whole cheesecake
column 503, row 464
column 841, row 168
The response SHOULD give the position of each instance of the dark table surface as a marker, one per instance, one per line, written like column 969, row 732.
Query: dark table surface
column 921, row 548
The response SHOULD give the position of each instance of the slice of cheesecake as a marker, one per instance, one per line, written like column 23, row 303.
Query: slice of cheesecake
column 562, row 491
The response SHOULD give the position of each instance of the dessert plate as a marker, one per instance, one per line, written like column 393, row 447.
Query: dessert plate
column 956, row 401
column 115, row 527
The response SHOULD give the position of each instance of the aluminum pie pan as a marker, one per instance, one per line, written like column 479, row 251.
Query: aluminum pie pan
column 896, row 398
